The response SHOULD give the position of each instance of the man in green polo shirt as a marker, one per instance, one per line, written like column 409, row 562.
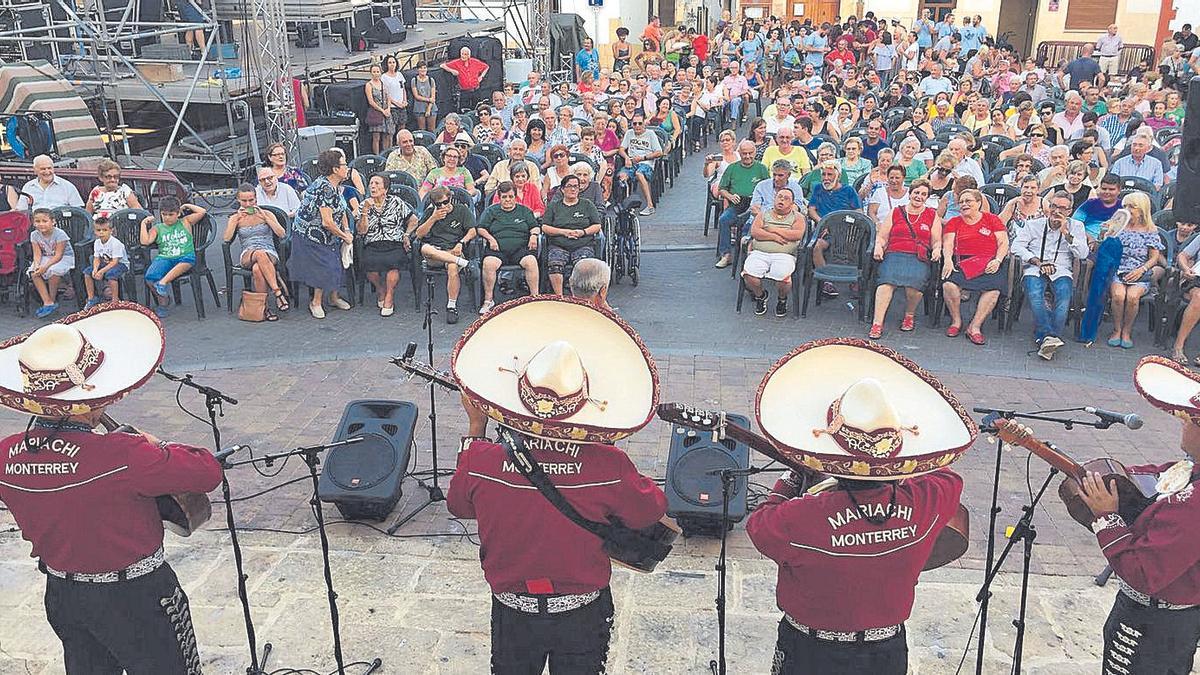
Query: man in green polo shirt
column 511, row 232
column 737, row 187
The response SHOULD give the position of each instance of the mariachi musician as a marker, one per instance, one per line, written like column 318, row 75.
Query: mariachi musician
column 850, row 549
column 1154, row 624
column 86, row 501
column 571, row 379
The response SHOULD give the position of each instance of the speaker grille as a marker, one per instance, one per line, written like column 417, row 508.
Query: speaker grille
column 692, row 482
column 363, row 465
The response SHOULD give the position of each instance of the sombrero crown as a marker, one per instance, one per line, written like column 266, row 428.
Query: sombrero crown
column 84, row 362
column 558, row 368
column 854, row 409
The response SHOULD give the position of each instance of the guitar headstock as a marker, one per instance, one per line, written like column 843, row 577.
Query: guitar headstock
column 425, row 371
column 1012, row 432
column 694, row 418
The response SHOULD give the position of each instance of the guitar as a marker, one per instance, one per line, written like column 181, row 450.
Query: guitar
column 424, row 370
column 637, row 556
column 1134, row 491
column 181, row 513
column 951, row 543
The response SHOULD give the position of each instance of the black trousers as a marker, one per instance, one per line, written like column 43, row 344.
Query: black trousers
column 1142, row 640
column 142, row 626
column 575, row 642
column 800, row 654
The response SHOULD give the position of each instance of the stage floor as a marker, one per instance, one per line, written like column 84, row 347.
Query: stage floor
column 330, row 58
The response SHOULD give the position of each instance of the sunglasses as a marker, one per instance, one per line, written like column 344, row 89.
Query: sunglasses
column 1037, row 135
column 558, row 155
column 441, row 203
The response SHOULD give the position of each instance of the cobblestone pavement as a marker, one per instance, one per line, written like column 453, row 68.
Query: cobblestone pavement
column 420, row 602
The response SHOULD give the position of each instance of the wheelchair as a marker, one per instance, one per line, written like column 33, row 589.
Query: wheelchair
column 624, row 251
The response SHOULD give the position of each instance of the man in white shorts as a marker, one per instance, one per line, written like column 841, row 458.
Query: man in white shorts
column 776, row 234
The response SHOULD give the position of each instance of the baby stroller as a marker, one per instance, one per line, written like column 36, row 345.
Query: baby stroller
column 14, row 258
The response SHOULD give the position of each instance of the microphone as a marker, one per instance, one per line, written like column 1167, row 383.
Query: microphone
column 1131, row 420
column 224, row 453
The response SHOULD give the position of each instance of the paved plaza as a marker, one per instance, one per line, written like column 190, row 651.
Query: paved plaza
column 418, row 600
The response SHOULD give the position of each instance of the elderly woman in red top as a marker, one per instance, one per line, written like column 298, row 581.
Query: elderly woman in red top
column 528, row 192
column 905, row 243
column 975, row 244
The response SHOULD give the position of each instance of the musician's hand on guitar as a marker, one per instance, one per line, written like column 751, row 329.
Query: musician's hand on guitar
column 149, row 438
column 1099, row 496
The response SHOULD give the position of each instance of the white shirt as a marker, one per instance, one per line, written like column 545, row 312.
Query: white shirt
column 969, row 167
column 394, row 87
column 1037, row 240
column 886, row 202
column 111, row 250
column 1071, row 130
column 285, row 198
column 60, row 193
column 774, row 124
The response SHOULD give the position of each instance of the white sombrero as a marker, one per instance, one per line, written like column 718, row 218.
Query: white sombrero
column 1169, row 386
column 558, row 368
column 84, row 362
column 854, row 409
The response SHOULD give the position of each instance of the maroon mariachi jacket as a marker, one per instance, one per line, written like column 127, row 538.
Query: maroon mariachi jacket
column 837, row 570
column 1159, row 553
column 86, row 501
column 526, row 545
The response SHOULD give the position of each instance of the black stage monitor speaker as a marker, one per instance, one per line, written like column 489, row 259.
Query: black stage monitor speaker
column 387, row 31
column 693, row 492
column 1187, row 193
column 363, row 479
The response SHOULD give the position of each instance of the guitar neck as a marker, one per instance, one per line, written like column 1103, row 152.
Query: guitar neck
column 1049, row 454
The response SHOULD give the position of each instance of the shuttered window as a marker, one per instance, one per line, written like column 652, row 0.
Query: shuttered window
column 1090, row 14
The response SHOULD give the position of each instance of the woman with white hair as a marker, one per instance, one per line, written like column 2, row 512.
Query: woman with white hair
column 914, row 168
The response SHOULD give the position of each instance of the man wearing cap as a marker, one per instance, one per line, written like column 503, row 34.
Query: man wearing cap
column 570, row 380
column 850, row 549
column 447, row 228
column 87, row 501
column 1154, row 623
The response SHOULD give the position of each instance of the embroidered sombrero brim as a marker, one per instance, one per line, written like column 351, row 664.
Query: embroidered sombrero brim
column 133, row 343
column 795, row 395
column 620, row 372
column 1169, row 386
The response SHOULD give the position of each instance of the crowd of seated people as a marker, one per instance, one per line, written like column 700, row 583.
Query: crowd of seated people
column 985, row 175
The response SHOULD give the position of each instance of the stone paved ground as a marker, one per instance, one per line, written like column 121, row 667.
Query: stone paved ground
column 419, row 601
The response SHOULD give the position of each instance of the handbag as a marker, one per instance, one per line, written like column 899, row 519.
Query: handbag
column 253, row 307
column 922, row 249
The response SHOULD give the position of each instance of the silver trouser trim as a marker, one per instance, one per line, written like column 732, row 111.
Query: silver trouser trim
column 555, row 604
column 138, row 569
column 868, row 635
column 1143, row 599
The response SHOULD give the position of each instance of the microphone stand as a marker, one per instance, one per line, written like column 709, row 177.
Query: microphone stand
column 311, row 457
column 727, row 478
column 434, row 490
column 1026, row 532
column 214, row 402
column 992, row 565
